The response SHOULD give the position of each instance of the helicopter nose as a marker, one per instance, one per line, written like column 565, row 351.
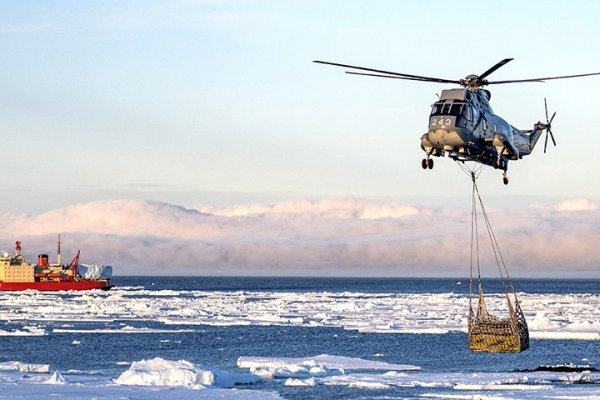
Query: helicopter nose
column 446, row 138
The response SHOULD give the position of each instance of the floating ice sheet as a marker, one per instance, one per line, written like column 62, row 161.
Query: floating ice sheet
column 161, row 372
column 364, row 312
column 158, row 378
column 365, row 374
column 315, row 366
column 154, row 379
column 24, row 367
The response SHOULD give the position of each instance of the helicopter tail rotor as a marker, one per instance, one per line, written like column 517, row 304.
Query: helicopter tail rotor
column 548, row 127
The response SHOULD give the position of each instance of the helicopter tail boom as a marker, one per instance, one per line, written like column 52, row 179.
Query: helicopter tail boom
column 535, row 134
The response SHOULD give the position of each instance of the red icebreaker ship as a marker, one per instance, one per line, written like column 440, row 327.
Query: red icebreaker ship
column 18, row 274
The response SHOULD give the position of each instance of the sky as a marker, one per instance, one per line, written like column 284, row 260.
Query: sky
column 216, row 105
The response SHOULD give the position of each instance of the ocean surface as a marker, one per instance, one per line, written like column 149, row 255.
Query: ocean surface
column 93, row 338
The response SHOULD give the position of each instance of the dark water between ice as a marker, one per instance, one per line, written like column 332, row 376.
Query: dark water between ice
column 221, row 346
column 366, row 285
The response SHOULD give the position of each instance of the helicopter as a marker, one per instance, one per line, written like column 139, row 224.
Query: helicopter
column 462, row 124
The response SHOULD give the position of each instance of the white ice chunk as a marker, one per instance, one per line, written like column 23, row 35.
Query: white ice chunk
column 330, row 362
column 26, row 331
column 124, row 329
column 160, row 372
column 318, row 366
column 564, row 335
column 24, row 367
column 369, row 385
column 493, row 386
column 56, row 379
column 300, row 382
column 94, row 271
column 550, row 316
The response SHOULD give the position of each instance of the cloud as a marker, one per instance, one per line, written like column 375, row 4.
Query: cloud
column 576, row 204
column 331, row 237
column 327, row 208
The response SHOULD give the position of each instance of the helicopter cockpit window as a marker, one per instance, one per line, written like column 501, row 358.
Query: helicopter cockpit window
column 436, row 109
column 447, row 108
column 456, row 109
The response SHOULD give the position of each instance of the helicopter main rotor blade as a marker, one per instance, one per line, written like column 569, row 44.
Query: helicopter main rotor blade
column 379, row 71
column 512, row 81
column 543, row 79
column 494, row 68
column 403, row 77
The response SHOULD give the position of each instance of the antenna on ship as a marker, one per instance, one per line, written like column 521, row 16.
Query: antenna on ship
column 58, row 250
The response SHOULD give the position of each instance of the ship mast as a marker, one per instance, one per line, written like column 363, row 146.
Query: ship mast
column 58, row 250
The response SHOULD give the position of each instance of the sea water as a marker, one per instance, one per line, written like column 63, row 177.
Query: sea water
column 92, row 338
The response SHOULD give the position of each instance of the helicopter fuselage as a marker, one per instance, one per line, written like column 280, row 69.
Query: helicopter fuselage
column 463, row 126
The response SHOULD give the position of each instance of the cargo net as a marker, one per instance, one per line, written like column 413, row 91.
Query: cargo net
column 488, row 332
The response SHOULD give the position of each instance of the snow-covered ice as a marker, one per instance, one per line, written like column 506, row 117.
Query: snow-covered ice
column 426, row 313
column 56, row 379
column 154, row 379
column 318, row 366
column 23, row 367
column 160, row 372
column 159, row 378
column 300, row 382
column 365, row 374
column 135, row 310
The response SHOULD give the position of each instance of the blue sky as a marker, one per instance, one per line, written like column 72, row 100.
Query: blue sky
column 116, row 113
column 188, row 100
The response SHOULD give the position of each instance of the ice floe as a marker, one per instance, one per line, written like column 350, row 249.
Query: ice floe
column 365, row 374
column 154, row 379
column 158, row 378
column 161, row 372
column 56, row 379
column 31, row 313
column 24, row 367
column 125, row 329
column 321, row 365
column 24, row 331
column 300, row 382
column 165, row 373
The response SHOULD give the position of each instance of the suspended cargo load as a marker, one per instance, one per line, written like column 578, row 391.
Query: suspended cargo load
column 488, row 332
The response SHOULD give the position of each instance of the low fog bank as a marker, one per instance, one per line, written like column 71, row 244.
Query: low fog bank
column 330, row 237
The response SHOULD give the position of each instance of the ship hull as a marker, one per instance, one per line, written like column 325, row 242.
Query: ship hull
column 51, row 286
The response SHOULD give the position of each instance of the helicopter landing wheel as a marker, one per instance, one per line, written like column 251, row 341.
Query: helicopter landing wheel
column 424, row 163
column 429, row 163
